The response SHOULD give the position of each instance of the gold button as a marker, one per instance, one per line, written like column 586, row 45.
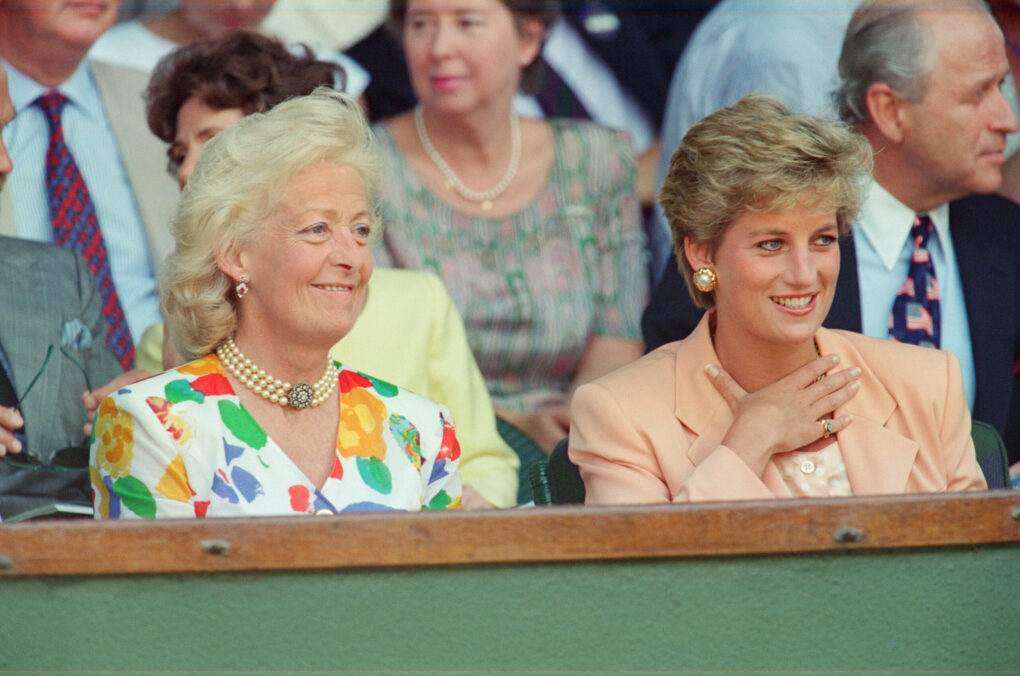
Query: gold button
column 807, row 467
column 324, row 512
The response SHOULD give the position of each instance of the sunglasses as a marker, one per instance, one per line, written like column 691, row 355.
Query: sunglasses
column 72, row 458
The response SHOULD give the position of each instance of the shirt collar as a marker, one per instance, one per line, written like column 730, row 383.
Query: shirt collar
column 886, row 222
column 79, row 89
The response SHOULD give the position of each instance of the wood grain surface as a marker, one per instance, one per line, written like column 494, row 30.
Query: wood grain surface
column 83, row 547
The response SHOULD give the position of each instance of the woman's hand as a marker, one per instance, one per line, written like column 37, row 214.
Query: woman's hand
column 546, row 427
column 787, row 414
column 472, row 499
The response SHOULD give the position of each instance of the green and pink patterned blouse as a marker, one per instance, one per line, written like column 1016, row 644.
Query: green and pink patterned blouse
column 535, row 286
column 181, row 445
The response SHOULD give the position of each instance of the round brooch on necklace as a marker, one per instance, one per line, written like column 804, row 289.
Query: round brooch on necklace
column 273, row 389
column 300, row 396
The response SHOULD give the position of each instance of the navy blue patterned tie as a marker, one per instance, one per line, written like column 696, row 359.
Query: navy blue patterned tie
column 915, row 316
column 76, row 227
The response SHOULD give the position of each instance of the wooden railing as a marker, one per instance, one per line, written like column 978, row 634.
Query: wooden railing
column 514, row 536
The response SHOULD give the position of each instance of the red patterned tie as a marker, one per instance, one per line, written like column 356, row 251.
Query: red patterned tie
column 76, row 227
column 915, row 316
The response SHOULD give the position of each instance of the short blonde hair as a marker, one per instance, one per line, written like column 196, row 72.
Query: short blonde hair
column 758, row 156
column 237, row 183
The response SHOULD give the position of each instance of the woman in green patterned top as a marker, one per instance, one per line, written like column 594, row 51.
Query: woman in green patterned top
column 533, row 225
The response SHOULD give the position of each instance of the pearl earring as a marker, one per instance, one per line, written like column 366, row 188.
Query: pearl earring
column 705, row 279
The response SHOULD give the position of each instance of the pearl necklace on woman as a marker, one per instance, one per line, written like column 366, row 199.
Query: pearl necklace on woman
column 453, row 182
column 300, row 396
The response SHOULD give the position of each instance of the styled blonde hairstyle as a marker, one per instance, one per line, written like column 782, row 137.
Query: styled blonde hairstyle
column 237, row 183
column 758, row 156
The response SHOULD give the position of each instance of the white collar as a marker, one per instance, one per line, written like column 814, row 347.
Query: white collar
column 886, row 222
column 78, row 88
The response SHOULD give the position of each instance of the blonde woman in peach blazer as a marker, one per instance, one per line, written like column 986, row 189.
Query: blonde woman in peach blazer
column 759, row 401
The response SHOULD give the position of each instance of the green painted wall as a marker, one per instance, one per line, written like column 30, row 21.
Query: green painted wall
column 939, row 611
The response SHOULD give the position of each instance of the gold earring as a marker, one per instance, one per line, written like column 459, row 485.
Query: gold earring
column 705, row 279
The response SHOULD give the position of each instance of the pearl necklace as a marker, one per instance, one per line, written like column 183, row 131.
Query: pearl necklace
column 453, row 182
column 261, row 383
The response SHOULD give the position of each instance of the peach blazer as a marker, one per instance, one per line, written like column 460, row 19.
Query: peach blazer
column 651, row 431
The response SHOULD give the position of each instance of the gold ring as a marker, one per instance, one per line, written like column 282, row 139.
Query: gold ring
column 826, row 428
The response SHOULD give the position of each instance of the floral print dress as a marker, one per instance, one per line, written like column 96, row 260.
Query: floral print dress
column 181, row 444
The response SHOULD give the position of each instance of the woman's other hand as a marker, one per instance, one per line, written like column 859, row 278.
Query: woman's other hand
column 10, row 420
column 787, row 414
column 546, row 427
column 472, row 499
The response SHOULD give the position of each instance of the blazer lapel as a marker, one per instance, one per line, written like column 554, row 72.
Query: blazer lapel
column 878, row 460
column 26, row 333
column 22, row 327
column 701, row 408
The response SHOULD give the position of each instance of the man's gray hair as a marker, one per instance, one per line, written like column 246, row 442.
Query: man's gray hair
column 886, row 41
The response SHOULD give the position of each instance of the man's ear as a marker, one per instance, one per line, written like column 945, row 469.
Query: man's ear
column 698, row 254
column 889, row 113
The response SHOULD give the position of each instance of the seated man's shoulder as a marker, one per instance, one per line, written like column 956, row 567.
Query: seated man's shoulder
column 993, row 210
column 39, row 253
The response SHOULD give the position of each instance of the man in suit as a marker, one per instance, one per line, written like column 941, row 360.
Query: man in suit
column 49, row 305
column 101, row 128
column 920, row 81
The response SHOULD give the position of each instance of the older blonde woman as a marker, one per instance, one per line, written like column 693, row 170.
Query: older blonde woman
column 269, row 272
column 408, row 332
column 760, row 401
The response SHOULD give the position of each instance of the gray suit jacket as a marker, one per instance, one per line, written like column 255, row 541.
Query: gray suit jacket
column 143, row 156
column 48, row 297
